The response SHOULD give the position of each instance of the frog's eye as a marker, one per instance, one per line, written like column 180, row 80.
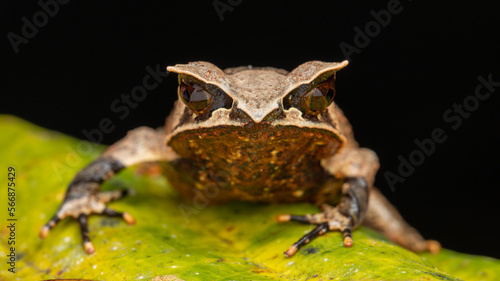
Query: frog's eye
column 194, row 96
column 320, row 97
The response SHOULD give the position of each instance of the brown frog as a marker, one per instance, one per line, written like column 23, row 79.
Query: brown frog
column 255, row 134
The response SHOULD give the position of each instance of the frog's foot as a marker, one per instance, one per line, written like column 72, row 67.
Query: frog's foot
column 330, row 219
column 344, row 217
column 81, row 207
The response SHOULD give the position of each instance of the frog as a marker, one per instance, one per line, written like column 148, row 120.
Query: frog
column 259, row 134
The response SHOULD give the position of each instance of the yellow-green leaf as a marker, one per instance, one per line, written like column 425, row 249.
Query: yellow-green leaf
column 174, row 240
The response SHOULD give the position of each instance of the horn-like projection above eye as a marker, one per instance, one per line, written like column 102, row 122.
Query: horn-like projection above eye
column 194, row 96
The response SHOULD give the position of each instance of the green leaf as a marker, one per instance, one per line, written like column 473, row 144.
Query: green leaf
column 176, row 239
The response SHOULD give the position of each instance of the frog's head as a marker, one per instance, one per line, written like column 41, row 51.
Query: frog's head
column 266, row 108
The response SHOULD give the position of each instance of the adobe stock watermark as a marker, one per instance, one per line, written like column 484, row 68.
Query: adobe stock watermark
column 121, row 107
column 371, row 29
column 31, row 27
column 454, row 117
column 222, row 6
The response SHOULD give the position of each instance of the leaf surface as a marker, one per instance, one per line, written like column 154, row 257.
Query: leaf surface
column 177, row 239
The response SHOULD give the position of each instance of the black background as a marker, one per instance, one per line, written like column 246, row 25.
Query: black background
column 394, row 91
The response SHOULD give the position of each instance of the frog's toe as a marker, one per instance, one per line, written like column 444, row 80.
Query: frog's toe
column 316, row 218
column 124, row 215
column 319, row 230
column 84, row 228
column 48, row 226
column 433, row 246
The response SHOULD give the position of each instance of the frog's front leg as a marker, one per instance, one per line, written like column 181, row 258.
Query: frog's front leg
column 84, row 197
column 361, row 203
column 356, row 169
